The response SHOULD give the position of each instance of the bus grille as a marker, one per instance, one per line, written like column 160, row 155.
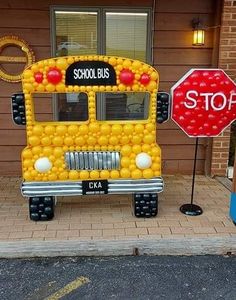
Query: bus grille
column 93, row 160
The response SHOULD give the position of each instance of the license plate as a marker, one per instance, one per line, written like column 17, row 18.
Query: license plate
column 92, row 187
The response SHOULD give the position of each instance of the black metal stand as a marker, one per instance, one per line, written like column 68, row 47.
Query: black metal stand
column 191, row 209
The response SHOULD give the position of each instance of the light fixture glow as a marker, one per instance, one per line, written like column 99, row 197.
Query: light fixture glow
column 198, row 33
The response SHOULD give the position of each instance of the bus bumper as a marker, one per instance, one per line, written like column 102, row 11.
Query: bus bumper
column 73, row 188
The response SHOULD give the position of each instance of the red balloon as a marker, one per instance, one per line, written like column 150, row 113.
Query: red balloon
column 38, row 77
column 145, row 79
column 126, row 77
column 54, row 75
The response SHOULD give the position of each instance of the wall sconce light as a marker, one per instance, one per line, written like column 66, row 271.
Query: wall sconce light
column 198, row 33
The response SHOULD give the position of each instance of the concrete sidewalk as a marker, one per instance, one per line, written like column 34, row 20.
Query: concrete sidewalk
column 104, row 225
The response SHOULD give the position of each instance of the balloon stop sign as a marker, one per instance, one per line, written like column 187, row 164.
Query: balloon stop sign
column 203, row 105
column 204, row 102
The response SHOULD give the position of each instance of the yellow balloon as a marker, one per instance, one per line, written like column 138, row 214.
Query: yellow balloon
column 112, row 61
column 148, row 173
column 128, row 129
column 105, row 129
column 114, row 174
column 73, row 129
column 127, row 63
column 125, row 162
column 116, row 129
column 49, row 129
column 58, row 152
column 57, row 141
column 132, row 167
column 28, row 74
column 60, row 87
column 104, row 174
column 124, row 140
column 68, row 141
column 136, row 64
column 61, row 129
column 139, row 128
column 37, row 150
column 62, row 63
column 46, row 141
column 146, row 148
column 70, row 60
column 84, row 175
column 94, row 174
column 40, row 88
column 73, row 175
column 125, row 173
column 150, row 126
column 113, row 140
column 103, row 140
column 52, row 177
column 79, row 141
column 136, row 139
column 135, row 87
column 34, row 173
column 27, row 176
column 51, row 62
column 151, row 86
column 47, row 151
column 156, row 166
column 83, row 129
column 58, row 163
column 137, row 149
column 156, row 151
column 121, row 87
column 154, row 76
column 28, row 163
column 26, row 153
column 52, row 158
column 91, row 141
column 136, row 174
column 63, row 175
column 38, row 130
column 94, row 127
column 34, row 140
column 126, row 150
column 149, row 139
column 50, row 87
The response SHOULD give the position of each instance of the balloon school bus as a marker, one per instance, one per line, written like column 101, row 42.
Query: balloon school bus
column 103, row 138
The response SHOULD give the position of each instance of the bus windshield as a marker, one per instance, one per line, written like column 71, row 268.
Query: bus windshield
column 110, row 106
column 122, row 106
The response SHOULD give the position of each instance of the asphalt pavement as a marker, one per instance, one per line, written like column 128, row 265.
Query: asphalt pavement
column 130, row 277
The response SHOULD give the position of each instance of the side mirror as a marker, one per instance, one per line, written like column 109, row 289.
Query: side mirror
column 18, row 108
column 163, row 107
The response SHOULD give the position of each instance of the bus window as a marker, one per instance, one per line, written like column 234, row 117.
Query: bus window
column 70, row 107
column 122, row 106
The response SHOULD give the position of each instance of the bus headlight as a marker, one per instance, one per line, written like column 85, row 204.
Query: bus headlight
column 43, row 165
column 143, row 160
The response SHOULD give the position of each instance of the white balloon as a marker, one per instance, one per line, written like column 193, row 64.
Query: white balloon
column 143, row 160
column 43, row 165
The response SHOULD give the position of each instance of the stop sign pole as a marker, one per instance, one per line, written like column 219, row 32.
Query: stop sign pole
column 203, row 105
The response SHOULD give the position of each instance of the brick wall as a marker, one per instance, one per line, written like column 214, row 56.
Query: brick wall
column 227, row 61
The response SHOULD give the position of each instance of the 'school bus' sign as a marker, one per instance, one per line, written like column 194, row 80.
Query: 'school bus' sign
column 90, row 73
column 204, row 102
